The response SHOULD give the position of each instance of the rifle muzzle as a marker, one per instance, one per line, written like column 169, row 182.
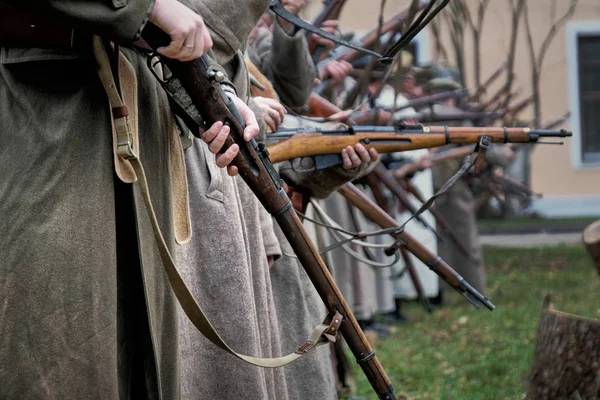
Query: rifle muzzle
column 470, row 290
column 541, row 133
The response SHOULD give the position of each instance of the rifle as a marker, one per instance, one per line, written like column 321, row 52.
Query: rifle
column 483, row 88
column 445, row 117
column 373, row 183
column 414, row 276
column 388, row 180
column 435, row 263
column 347, row 54
column 433, row 99
column 441, row 221
column 295, row 143
column 199, row 91
column 331, row 10
column 409, row 169
column 511, row 185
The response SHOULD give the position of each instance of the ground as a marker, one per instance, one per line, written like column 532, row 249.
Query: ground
column 459, row 352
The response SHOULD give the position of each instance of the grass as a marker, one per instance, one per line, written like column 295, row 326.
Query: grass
column 575, row 224
column 459, row 352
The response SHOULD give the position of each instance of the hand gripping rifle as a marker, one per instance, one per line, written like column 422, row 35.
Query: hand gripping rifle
column 295, row 143
column 200, row 94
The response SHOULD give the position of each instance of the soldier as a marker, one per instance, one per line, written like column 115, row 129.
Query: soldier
column 87, row 311
column 457, row 204
column 282, row 56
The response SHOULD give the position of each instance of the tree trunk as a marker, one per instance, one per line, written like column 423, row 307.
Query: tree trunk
column 567, row 357
column 591, row 238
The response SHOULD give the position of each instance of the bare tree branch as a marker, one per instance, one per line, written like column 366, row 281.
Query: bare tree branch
column 440, row 50
column 554, row 30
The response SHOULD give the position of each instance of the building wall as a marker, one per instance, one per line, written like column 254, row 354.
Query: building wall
column 555, row 170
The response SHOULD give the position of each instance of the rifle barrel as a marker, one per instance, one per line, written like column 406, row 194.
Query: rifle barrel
column 435, row 263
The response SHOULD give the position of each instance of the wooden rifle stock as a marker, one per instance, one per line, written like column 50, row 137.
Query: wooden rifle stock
column 409, row 169
column 414, row 277
column 441, row 221
column 388, row 180
column 433, row 99
column 373, row 212
column 312, row 142
column 511, row 185
column 368, row 40
column 202, row 86
column 319, row 106
column 373, row 184
column 483, row 88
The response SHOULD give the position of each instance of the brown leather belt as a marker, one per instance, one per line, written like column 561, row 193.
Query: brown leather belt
column 25, row 29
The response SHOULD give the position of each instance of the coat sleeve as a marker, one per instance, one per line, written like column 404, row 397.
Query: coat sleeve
column 120, row 20
column 321, row 183
column 286, row 61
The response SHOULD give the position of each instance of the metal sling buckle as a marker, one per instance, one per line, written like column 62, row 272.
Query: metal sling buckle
column 125, row 150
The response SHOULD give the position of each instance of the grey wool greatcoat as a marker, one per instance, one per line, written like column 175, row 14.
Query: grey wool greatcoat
column 71, row 305
column 225, row 263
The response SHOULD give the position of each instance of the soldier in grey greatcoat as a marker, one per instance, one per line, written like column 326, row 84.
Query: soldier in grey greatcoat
column 457, row 204
column 87, row 312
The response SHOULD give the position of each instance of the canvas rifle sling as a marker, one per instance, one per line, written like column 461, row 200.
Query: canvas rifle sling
column 322, row 334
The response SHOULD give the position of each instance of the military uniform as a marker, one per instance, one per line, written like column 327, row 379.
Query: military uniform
column 87, row 312
column 225, row 263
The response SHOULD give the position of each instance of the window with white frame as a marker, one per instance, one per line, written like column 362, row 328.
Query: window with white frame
column 589, row 97
column 583, row 58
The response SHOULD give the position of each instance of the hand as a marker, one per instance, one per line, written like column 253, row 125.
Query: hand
column 330, row 26
column 336, row 70
column 424, row 162
column 273, row 112
column 293, row 6
column 216, row 135
column 190, row 38
column 354, row 156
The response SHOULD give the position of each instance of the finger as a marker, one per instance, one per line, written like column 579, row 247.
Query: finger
column 217, row 143
column 374, row 154
column 362, row 153
column 232, row 170
column 354, row 158
column 270, row 123
column 226, row 158
column 346, row 163
column 252, row 128
column 276, row 116
column 175, row 49
column 212, row 132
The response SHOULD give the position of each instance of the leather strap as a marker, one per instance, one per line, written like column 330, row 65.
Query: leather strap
column 322, row 334
column 280, row 10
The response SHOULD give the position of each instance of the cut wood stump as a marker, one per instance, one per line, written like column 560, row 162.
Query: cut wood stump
column 591, row 238
column 566, row 362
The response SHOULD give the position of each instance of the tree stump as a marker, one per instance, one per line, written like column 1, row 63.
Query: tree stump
column 591, row 238
column 567, row 357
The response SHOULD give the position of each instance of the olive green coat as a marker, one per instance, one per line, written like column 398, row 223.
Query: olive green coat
column 62, row 328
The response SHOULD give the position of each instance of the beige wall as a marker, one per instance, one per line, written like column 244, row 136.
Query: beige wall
column 552, row 170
